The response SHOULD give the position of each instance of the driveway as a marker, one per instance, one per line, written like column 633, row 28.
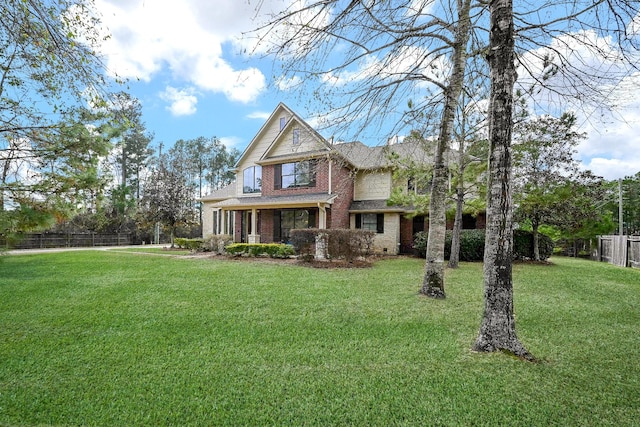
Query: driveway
column 88, row 248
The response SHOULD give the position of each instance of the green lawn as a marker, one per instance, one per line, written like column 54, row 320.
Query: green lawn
column 119, row 339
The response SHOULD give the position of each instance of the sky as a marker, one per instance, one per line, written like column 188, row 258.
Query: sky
column 187, row 64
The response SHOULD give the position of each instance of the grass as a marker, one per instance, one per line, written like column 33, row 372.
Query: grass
column 110, row 338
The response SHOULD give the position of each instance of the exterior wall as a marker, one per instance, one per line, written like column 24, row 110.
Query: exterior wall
column 207, row 220
column 266, row 226
column 342, row 185
column 237, row 230
column 268, row 135
column 306, row 143
column 406, row 235
column 373, row 186
column 389, row 241
column 322, row 181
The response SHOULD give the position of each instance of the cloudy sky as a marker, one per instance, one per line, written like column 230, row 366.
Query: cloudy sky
column 186, row 63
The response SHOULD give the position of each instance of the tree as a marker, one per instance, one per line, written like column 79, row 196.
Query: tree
column 167, row 199
column 48, row 62
column 202, row 161
column 399, row 47
column 133, row 147
column 630, row 204
column 498, row 329
column 543, row 169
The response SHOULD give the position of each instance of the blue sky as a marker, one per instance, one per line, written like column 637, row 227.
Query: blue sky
column 184, row 62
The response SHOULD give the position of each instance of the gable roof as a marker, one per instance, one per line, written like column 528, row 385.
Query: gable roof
column 272, row 117
column 323, row 145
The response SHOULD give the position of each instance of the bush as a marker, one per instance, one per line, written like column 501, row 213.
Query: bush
column 523, row 245
column 341, row 243
column 472, row 245
column 273, row 250
column 217, row 242
column 348, row 244
column 191, row 244
column 304, row 242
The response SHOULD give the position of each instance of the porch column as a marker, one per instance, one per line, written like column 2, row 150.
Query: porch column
column 254, row 237
column 322, row 217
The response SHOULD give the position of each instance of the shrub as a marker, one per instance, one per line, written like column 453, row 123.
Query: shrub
column 304, row 241
column 341, row 243
column 217, row 242
column 472, row 245
column 191, row 244
column 273, row 250
column 348, row 244
column 523, row 245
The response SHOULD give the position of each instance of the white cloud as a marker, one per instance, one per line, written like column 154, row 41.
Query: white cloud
column 187, row 38
column 595, row 84
column 231, row 141
column 260, row 115
column 182, row 102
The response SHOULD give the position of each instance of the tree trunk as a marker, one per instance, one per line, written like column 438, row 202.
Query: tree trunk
column 454, row 257
column 498, row 328
column 536, row 240
column 433, row 282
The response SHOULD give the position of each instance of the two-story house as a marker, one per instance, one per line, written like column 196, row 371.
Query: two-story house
column 290, row 177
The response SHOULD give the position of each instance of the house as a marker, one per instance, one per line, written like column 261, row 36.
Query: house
column 290, row 177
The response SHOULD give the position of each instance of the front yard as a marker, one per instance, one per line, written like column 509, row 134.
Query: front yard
column 114, row 338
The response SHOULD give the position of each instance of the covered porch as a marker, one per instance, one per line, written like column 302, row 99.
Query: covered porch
column 270, row 219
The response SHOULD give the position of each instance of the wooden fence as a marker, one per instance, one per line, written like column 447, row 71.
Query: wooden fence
column 620, row 250
column 66, row 240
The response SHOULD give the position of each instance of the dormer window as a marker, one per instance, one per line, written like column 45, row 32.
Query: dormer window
column 252, row 177
column 296, row 136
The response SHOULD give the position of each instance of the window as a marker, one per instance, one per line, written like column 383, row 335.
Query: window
column 252, row 179
column 283, row 121
column 294, row 175
column 288, row 219
column 296, row 136
column 370, row 221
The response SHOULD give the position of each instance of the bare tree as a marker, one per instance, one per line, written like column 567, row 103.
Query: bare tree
column 498, row 329
column 393, row 52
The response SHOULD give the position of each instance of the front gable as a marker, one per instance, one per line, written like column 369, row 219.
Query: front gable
column 263, row 140
column 297, row 140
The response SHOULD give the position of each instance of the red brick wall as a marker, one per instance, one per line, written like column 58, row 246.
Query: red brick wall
column 322, row 181
column 342, row 184
column 266, row 226
column 406, row 234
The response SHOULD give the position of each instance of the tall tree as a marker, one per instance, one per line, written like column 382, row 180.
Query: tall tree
column 398, row 49
column 543, row 168
column 133, row 146
column 48, row 61
column 498, row 328
column 168, row 199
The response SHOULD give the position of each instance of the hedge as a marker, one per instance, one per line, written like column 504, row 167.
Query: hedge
column 274, row 250
column 342, row 243
column 192, row 244
column 472, row 245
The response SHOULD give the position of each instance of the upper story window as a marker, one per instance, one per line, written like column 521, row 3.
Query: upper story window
column 294, row 175
column 296, row 136
column 283, row 122
column 252, row 179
